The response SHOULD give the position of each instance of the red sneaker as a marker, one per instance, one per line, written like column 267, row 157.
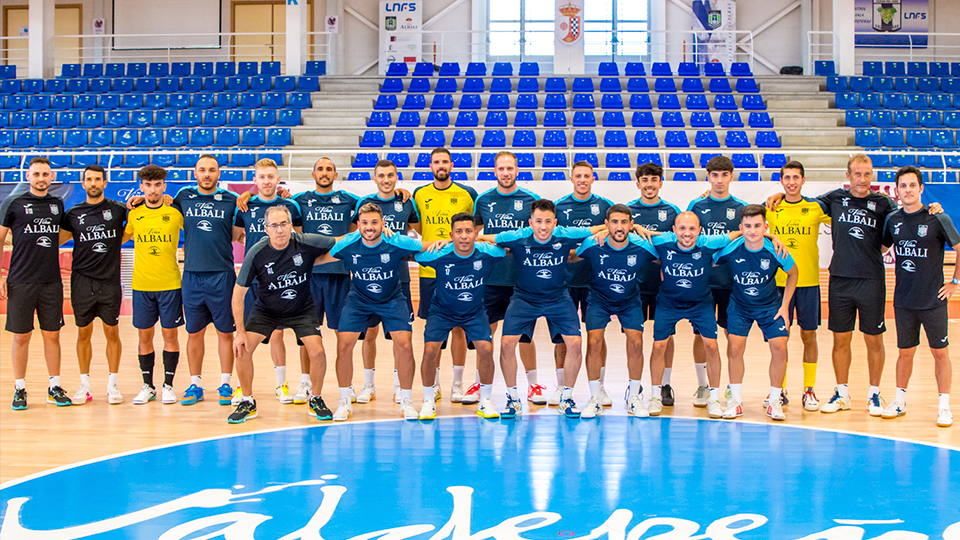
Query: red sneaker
column 472, row 395
column 535, row 394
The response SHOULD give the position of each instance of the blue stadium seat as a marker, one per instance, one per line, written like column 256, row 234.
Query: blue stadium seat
column 583, row 101
column 92, row 119
column 918, row 138
column 684, row 176
column 892, row 138
column 881, row 118
column 473, row 85
column 191, row 84
column 554, row 160
column 527, row 101
column 358, row 176
column 284, row 117
column 706, row 157
column 227, row 137
column 145, row 85
column 524, row 138
column 120, row 86
column 917, row 69
column 498, row 101
column 867, row 137
column 67, row 71
column 131, row 101
column 634, row 69
column 308, row 83
column 433, row 138
column 239, row 84
column 76, row 86
column 45, row 120
column 402, row 139
column 615, row 138
column 747, row 86
column 247, row 68
column 697, row 102
column 54, row 86
column 584, row 119
column 661, row 69
column 736, row 139
column 554, row 175
column 664, row 84
column 141, row 118
column 202, row 69
column 501, row 85
column 270, row 68
column 917, row 102
column 680, row 161
column 167, row 119
column 701, row 120
column 759, row 120
column 555, row 101
column 413, row 102
column 637, row 85
column 706, row 139
column 645, row 138
column 6, row 140
column 837, row 84
column 180, row 69
column 226, row 101
column 610, row 85
column 611, row 101
column 589, row 157
column 238, row 118
column 158, row 69
column 502, row 69
column 51, row 138
column 495, row 119
column 744, row 161
column 466, row 119
column 688, row 69
column 951, row 85
column 423, row 69
column 748, row 177
column 15, row 103
column 365, row 159
column 402, row 159
column 939, row 69
column 409, row 119
column 676, row 139
column 906, row 84
column 100, row 138
column 107, row 102
column 155, row 102
column 419, row 85
column 583, row 85
column 438, row 119
column 773, row 161
column 446, row 85
column 385, row 103
column 554, row 138
column 714, row 69
column 391, row 86
column 649, row 158
column 608, row 69
column 38, row 103
column 397, row 69
column 298, row 100
column 195, row 118
column 128, row 137
column 902, row 119
column 725, row 102
column 251, row 137
column 450, row 69
column 585, row 138
column 894, row 101
column 872, row 68
column 278, row 100
column 486, row 161
column 464, row 138
column 91, row 71
column 692, row 85
column 930, row 119
column 941, row 102
column 668, row 102
column 943, row 138
column 928, row 85
column 67, row 119
column 767, row 139
column 824, row 68
column 740, row 69
column 380, row 119
column 614, row 119
column 373, row 139
column 100, row 86
column 75, row 138
column 753, row 102
column 857, row 84
column 642, row 119
column 671, row 119
column 555, row 84
column 525, row 119
column 554, row 119
column 846, row 100
column 20, row 120
column 617, row 160
column 214, row 84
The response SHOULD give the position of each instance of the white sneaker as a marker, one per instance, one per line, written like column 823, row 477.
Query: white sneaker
column 487, row 409
column 874, row 407
column 555, row 398
column 168, row 397
column 283, row 394
column 592, row 409
column 655, row 407
column 635, row 407
column 407, row 410
column 147, row 393
column 83, row 395
column 353, row 395
column 472, row 396
column 604, row 398
column 367, row 394
column 894, row 409
column 944, row 417
column 303, row 393
column 836, row 403
column 344, row 410
column 114, row 396
column 713, row 409
column 734, row 409
column 456, row 392
column 775, row 411
column 397, row 397
column 701, row 396
column 428, row 411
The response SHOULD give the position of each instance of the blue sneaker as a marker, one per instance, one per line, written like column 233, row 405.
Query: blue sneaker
column 568, row 408
column 513, row 408
column 226, row 393
column 192, row 395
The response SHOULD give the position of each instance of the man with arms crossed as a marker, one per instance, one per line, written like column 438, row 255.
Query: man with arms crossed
column 462, row 267
column 281, row 263
column 920, row 296
column 33, row 281
column 755, row 298
column 96, row 227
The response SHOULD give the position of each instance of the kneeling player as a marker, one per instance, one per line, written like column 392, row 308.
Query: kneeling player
column 281, row 265
column 461, row 268
column 755, row 298
column 614, row 291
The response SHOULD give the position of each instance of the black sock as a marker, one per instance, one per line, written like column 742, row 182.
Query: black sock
column 170, row 361
column 147, row 362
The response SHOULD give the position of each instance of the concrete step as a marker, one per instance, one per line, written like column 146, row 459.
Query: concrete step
column 797, row 103
column 335, row 122
column 326, row 141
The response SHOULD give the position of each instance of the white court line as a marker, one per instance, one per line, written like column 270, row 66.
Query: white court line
column 40, row 474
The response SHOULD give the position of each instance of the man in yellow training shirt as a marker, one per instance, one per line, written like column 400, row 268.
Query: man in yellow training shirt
column 155, row 230
column 796, row 222
column 436, row 203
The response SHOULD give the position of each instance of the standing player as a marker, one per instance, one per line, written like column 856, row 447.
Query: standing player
column 920, row 296
column 399, row 215
column 281, row 264
column 580, row 209
column 208, row 273
column 328, row 212
column 33, row 281
column 155, row 229
column 654, row 214
column 457, row 302
column 719, row 213
column 436, row 203
column 96, row 227
column 614, row 291
column 796, row 222
column 754, row 265
column 507, row 208
column 250, row 223
column 375, row 261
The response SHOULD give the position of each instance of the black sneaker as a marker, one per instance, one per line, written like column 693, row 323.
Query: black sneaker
column 666, row 395
column 20, row 399
column 58, row 397
column 246, row 410
column 320, row 409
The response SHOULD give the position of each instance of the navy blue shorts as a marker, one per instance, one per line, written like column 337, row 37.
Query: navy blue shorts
column 358, row 315
column 579, row 296
column 741, row 320
column 329, row 291
column 303, row 324
column 805, row 306
column 630, row 314
column 249, row 299
column 847, row 297
column 207, row 298
column 427, row 286
column 701, row 316
column 405, row 294
column 149, row 306
column 521, row 318
column 648, row 303
column 496, row 300
column 441, row 322
column 934, row 322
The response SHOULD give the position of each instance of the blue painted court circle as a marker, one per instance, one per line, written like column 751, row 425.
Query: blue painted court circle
column 539, row 477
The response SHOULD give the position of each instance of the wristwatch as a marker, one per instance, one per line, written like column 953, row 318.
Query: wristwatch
column 955, row 281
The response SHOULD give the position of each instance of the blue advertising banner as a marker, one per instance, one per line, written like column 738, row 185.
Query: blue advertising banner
column 891, row 23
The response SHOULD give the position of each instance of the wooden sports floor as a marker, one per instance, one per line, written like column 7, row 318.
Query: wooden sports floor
column 45, row 436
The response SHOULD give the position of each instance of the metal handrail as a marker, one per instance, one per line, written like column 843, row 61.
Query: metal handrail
column 942, row 46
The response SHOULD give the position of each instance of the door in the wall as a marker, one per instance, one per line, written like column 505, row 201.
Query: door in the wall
column 266, row 23
column 68, row 20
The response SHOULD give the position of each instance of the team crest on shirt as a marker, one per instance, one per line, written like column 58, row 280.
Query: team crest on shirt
column 662, row 215
column 731, row 213
column 99, row 247
column 631, row 260
column 557, row 245
column 384, row 258
column 107, row 215
column 846, row 201
column 696, row 256
column 398, row 206
column 595, row 209
column 218, row 197
column 477, row 265
column 289, row 294
column 165, row 219
column 871, row 205
column 28, row 208
column 298, row 259
column 804, row 211
column 335, row 199
column 922, row 231
column 764, row 264
column 54, row 209
column 518, row 205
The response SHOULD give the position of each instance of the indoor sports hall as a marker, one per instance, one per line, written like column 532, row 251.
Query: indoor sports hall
column 619, row 87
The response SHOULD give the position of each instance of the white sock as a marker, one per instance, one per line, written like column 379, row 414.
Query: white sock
column 654, row 390
column 368, row 376
column 345, row 394
column 701, row 374
column 944, row 401
column 532, row 377
column 304, row 378
column 111, row 380
column 396, row 378
column 775, row 394
column 245, row 398
column 843, row 390
column 194, row 379
column 457, row 374
column 666, row 376
column 560, row 377
column 736, row 391
column 874, row 390
column 85, row 379
column 567, row 393
column 714, row 394
column 603, row 373
column 54, row 381
column 486, row 391
column 429, row 394
column 225, row 378
column 594, row 388
column 514, row 393
column 281, row 373
column 20, row 384
column 902, row 396
column 635, row 387
column 406, row 394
